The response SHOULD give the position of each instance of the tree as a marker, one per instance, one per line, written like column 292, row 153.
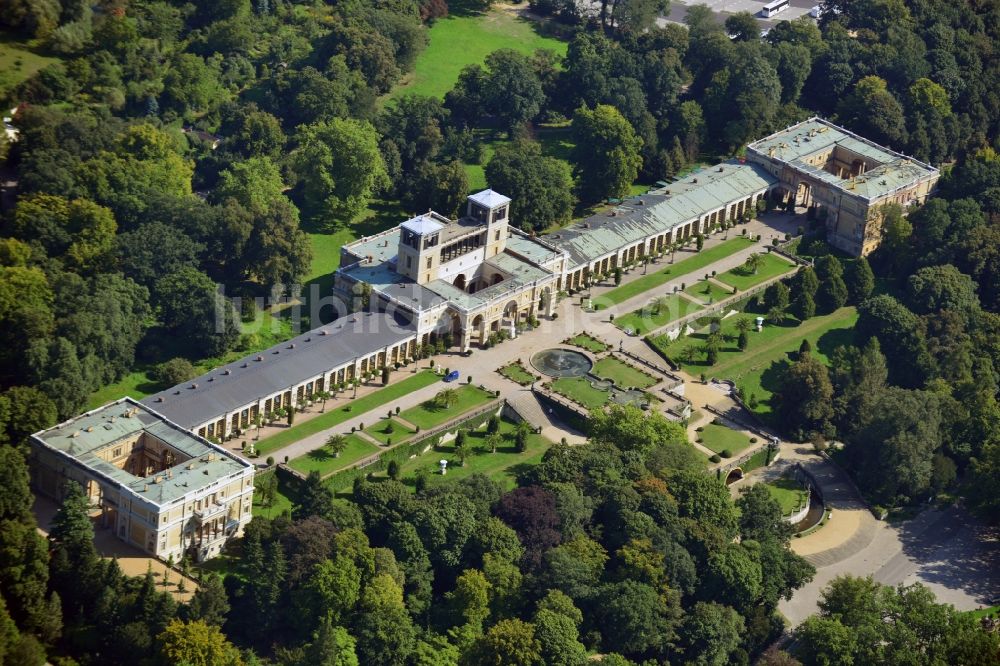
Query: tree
column 198, row 644
column 315, row 498
column 711, row 633
column 743, row 27
column 522, row 434
column 153, row 250
column 702, row 498
column 337, row 444
column 832, row 292
column 804, row 399
column 761, row 517
column 175, row 371
column 511, row 90
column 509, row 642
column 777, row 296
column 606, row 156
column 445, row 398
column 252, row 133
column 859, row 279
column 384, row 631
column 753, row 263
column 558, row 638
column 628, row 428
column 874, row 112
column 439, row 187
column 334, row 188
column 191, row 306
column 892, row 452
column 636, row 619
column 332, row 589
column 935, row 288
column 901, row 337
column 861, row 621
column 540, row 187
column 331, row 646
column 803, row 307
column 531, row 511
column 24, row 410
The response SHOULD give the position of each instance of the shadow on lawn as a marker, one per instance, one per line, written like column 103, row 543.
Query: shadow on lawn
column 320, row 455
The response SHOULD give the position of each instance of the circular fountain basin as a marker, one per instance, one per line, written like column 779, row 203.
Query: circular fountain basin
column 561, row 363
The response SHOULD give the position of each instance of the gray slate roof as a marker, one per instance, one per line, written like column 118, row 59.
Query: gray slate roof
column 237, row 384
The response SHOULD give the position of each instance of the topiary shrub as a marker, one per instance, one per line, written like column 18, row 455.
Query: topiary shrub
column 753, row 440
column 715, row 458
column 270, row 461
column 726, row 453
column 699, row 429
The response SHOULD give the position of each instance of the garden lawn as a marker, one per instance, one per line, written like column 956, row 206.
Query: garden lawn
column 647, row 319
column 588, row 342
column 322, row 461
column 466, row 38
column 718, row 438
column 707, row 291
column 18, row 61
column 623, row 374
column 555, row 140
column 346, row 410
column 756, row 370
column 517, row 373
column 672, row 271
column 501, row 466
column 428, row 416
column 380, row 431
column 789, row 494
column 579, row 390
column 771, row 265
column 282, row 501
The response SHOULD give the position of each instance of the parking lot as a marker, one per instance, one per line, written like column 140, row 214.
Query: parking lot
column 722, row 8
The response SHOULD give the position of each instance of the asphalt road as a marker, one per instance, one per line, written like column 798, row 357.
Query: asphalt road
column 950, row 551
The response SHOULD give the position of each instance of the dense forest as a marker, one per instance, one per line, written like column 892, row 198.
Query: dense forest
column 914, row 399
column 174, row 147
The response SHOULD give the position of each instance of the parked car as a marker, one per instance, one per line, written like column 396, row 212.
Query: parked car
column 451, row 376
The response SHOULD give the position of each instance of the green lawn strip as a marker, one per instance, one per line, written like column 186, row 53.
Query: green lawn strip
column 588, row 342
column 980, row 613
column 459, row 40
column 517, row 373
column 579, row 390
column 381, row 431
column 324, row 462
column 771, row 266
column 671, row 271
column 789, row 494
column 708, row 292
column 347, row 409
column 648, row 319
column 623, row 374
column 719, row 438
column 500, row 466
column 428, row 416
column 282, row 501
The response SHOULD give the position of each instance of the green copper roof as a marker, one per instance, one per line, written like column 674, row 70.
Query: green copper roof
column 660, row 210
column 81, row 438
column 796, row 144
